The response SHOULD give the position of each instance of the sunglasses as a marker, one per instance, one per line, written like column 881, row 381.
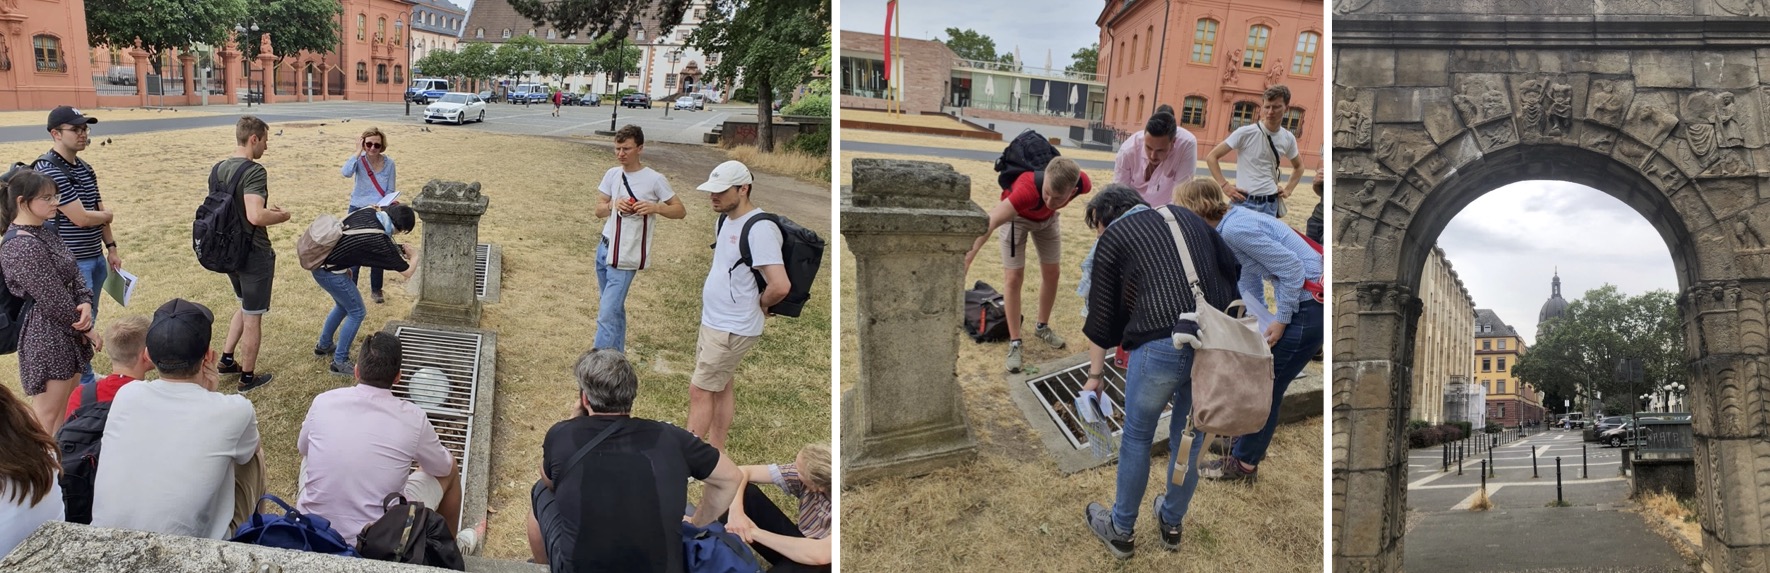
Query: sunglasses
column 374, row 145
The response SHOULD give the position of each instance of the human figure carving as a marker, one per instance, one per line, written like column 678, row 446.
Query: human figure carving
column 1731, row 135
column 1607, row 106
column 1493, row 102
column 1352, row 128
column 1530, row 104
column 1560, row 109
column 1747, row 236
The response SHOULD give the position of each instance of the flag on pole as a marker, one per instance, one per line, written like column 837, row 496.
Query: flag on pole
column 890, row 12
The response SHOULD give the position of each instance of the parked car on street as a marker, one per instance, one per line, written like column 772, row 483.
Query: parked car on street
column 426, row 90
column 691, row 102
column 121, row 75
column 1624, row 434
column 530, row 93
column 456, row 107
column 590, row 99
column 636, row 100
column 490, row 96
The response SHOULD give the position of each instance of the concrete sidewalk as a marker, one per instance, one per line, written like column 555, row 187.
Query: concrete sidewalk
column 1523, row 532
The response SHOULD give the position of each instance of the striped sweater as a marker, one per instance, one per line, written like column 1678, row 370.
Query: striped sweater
column 1139, row 287
column 374, row 250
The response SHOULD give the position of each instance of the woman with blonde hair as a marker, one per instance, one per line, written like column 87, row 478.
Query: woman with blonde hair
column 375, row 176
column 787, row 544
column 1270, row 252
column 57, row 340
column 29, row 494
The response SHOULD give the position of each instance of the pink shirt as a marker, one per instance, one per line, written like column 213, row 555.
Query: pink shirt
column 358, row 445
column 1158, row 189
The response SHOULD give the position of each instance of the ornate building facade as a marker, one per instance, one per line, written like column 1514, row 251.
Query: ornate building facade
column 1444, row 345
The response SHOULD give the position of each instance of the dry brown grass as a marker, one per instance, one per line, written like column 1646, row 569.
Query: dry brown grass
column 1011, row 508
column 540, row 215
column 1678, row 520
column 914, row 119
column 107, row 114
column 1482, row 502
column 808, row 168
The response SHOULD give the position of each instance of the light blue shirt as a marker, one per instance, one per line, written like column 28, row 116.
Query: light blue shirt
column 1270, row 250
column 364, row 194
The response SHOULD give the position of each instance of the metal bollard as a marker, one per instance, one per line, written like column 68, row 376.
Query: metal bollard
column 1533, row 464
column 1445, row 457
column 1484, row 476
column 1583, row 473
column 1459, row 466
column 1490, row 463
column 1558, row 500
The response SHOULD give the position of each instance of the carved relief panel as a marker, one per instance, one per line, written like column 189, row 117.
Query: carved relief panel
column 1480, row 98
column 1352, row 119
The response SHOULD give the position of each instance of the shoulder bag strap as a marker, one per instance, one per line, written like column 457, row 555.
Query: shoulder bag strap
column 629, row 187
column 1192, row 276
column 89, row 393
column 371, row 171
column 585, row 451
column 1276, row 173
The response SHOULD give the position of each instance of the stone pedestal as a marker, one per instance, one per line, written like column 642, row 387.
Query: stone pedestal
column 229, row 70
column 143, row 70
column 187, row 66
column 450, row 211
column 908, row 225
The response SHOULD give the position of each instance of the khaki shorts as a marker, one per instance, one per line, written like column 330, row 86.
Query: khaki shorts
column 1045, row 238
column 717, row 355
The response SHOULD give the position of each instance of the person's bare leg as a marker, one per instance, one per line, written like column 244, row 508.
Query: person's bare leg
column 1012, row 279
column 234, row 328
column 724, row 407
column 537, row 546
column 450, row 508
column 701, row 404
column 1048, row 275
column 50, row 408
column 251, row 334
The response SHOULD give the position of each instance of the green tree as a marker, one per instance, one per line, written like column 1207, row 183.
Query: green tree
column 597, row 18
column 1577, row 354
column 771, row 44
column 295, row 26
column 522, row 56
column 441, row 64
column 971, row 45
column 1086, row 60
column 618, row 60
column 161, row 25
column 477, row 60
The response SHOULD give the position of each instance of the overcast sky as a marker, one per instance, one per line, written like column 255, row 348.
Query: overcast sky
column 1506, row 246
column 1062, row 26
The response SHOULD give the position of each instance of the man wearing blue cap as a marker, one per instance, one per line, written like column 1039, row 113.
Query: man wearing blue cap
column 82, row 219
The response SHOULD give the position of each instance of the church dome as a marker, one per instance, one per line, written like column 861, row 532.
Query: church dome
column 1556, row 306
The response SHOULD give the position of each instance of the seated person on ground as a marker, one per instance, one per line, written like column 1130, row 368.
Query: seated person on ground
column 179, row 457
column 617, row 506
column 29, row 494
column 126, row 344
column 359, row 443
column 804, row 546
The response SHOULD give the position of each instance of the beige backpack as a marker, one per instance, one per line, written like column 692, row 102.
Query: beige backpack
column 1231, row 364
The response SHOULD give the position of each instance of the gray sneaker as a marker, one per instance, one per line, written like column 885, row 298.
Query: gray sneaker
column 1013, row 357
column 345, row 368
column 1170, row 532
column 1044, row 333
column 1100, row 522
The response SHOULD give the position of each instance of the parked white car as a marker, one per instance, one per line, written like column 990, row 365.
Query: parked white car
column 691, row 102
column 456, row 107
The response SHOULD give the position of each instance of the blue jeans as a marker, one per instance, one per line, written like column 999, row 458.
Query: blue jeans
column 94, row 271
column 611, row 314
column 1302, row 337
column 1158, row 375
column 346, row 317
column 1268, row 207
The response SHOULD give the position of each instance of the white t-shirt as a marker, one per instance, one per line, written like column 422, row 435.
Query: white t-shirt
column 730, row 301
column 169, row 454
column 648, row 185
column 1255, row 167
column 20, row 520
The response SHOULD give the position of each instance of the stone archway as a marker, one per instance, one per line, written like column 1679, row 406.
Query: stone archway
column 1669, row 114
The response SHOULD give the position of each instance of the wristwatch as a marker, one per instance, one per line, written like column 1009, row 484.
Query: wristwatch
column 110, row 245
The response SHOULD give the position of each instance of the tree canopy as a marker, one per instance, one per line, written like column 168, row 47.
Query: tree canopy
column 773, row 43
column 295, row 26
column 603, row 17
column 1086, row 60
column 161, row 24
column 1577, row 355
column 972, row 45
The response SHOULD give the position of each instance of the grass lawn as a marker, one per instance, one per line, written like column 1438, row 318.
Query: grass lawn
column 541, row 214
column 1012, row 505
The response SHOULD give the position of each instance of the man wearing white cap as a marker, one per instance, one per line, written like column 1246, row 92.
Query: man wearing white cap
column 733, row 307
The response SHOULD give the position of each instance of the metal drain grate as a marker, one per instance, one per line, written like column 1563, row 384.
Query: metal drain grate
column 439, row 373
column 482, row 255
column 1057, row 392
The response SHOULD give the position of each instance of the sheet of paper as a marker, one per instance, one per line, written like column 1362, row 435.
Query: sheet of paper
column 388, row 199
column 121, row 286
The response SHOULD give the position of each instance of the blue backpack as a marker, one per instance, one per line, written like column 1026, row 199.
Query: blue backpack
column 714, row 550
column 292, row 530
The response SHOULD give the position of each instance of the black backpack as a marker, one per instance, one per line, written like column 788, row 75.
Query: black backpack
column 410, row 533
column 13, row 309
column 79, row 441
column 221, row 236
column 985, row 318
column 1029, row 151
column 802, row 252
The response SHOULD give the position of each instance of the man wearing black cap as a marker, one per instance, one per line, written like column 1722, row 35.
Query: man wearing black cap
column 180, row 458
column 83, row 221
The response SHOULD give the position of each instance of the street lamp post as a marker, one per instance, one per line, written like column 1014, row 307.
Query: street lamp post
column 241, row 29
column 399, row 29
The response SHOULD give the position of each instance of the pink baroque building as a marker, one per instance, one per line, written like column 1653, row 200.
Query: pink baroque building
column 1210, row 60
column 44, row 58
